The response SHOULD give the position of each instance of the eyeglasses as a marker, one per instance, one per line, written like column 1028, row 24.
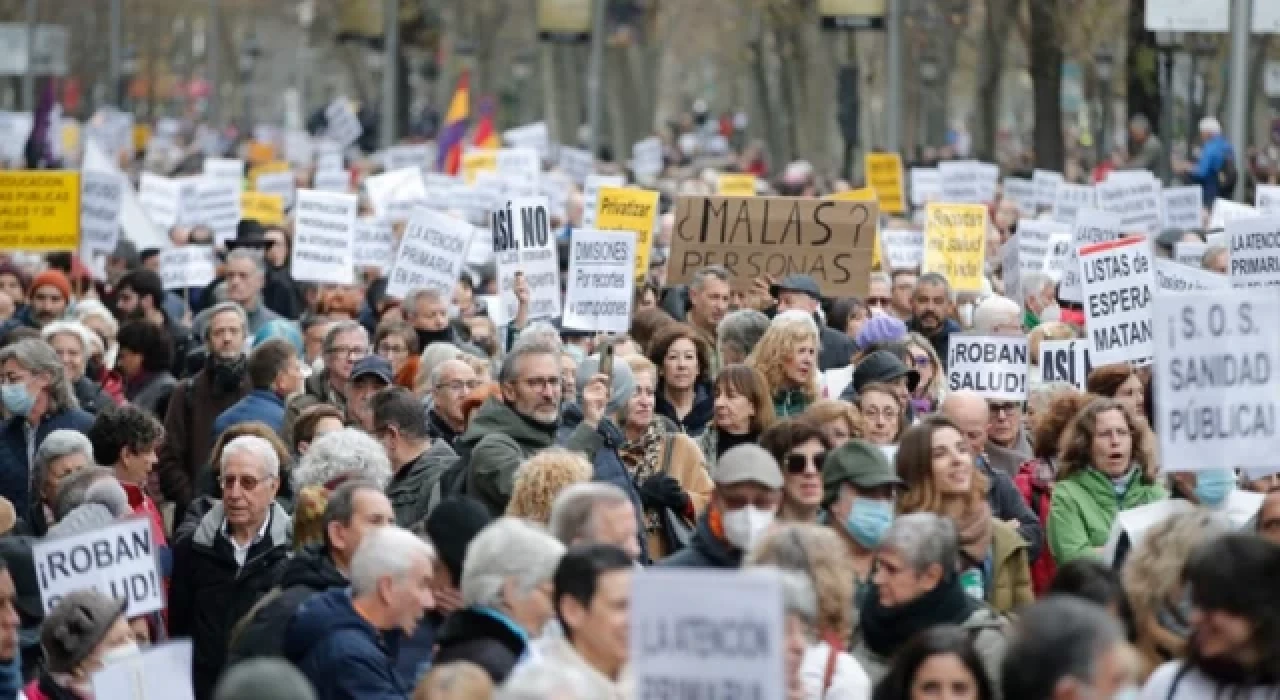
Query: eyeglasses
column 459, row 386
column 1008, row 407
column 797, row 463
column 247, row 481
column 877, row 301
column 920, row 361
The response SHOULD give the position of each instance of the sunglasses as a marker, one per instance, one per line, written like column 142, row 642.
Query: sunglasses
column 877, row 301
column 797, row 464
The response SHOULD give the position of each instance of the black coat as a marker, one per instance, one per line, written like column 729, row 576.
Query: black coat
column 705, row 551
column 837, row 349
column 471, row 635
column 311, row 571
column 209, row 592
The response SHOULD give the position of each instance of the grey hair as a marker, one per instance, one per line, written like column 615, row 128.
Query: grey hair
column 923, row 539
column 38, row 357
column 59, row 444
column 1055, row 638
column 255, row 447
column 339, row 328
column 92, row 308
column 386, row 552
column 742, row 330
column 73, row 328
column 1033, row 283
column 798, row 596
column 410, row 302
column 348, row 452
column 522, row 350
column 508, row 548
column 937, row 278
column 258, row 260
column 540, row 680
column 437, row 371
column 73, row 492
column 437, row 354
column 702, row 274
column 1039, row 396
column 993, row 311
column 542, row 333
column 574, row 510
column 223, row 307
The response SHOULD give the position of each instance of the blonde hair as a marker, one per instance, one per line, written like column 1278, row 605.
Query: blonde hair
column 824, row 411
column 541, row 478
column 457, row 680
column 778, row 344
column 1154, row 570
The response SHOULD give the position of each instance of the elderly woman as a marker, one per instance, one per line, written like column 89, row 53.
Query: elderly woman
column 940, row 477
column 541, row 478
column 787, row 356
column 839, row 421
column 99, row 319
column 916, row 588
column 70, row 339
column 84, row 633
column 336, row 456
column 744, row 410
column 506, row 588
column 39, row 398
column 799, row 448
column 62, row 454
column 882, row 413
column 997, row 315
column 738, row 334
column 683, row 360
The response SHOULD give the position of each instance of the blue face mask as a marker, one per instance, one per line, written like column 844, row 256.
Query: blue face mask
column 869, row 519
column 1213, row 486
column 17, row 400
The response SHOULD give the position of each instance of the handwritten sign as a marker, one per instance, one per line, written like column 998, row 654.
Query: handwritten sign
column 884, row 175
column 634, row 210
column 431, row 254
column 954, row 244
column 601, row 281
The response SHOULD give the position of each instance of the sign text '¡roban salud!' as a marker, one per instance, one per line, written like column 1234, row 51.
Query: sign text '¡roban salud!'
column 776, row 236
column 39, row 210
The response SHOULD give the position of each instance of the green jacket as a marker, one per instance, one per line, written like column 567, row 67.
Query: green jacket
column 1083, row 508
column 790, row 402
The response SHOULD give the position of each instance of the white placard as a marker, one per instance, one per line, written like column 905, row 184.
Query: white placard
column 343, row 123
column 161, row 672
column 671, row 607
column 225, row 169
column 324, row 226
column 1173, row 277
column 100, row 197
column 1065, row 361
column 1034, row 236
column 1046, row 182
column 591, row 192
column 555, row 187
column 926, row 186
column 524, row 242
column 959, row 181
column 1225, row 210
column 374, row 244
column 395, row 195
column 298, row 150
column 1267, row 199
column 1182, row 208
column 431, row 254
column 1011, row 270
column 328, row 155
column 1216, row 389
column 602, row 268
column 902, row 250
column 1190, row 253
column 332, row 181
column 1136, row 199
column 993, row 366
column 1253, row 252
column 278, row 183
column 520, row 168
column 1069, row 200
column 409, row 155
column 188, row 266
column 577, row 163
column 988, row 181
column 1207, row 16
column 15, row 129
column 646, row 157
column 189, row 213
column 118, row 561
column 219, row 204
column 161, row 199
column 1119, row 282
column 1059, row 257
column 1022, row 193
column 533, row 136
column 1091, row 226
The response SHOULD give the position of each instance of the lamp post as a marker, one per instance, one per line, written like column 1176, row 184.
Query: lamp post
column 249, row 53
column 1167, row 41
column 1104, row 64
column 929, row 74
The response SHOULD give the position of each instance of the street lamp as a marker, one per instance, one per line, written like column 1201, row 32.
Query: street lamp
column 1104, row 65
column 930, row 72
column 250, row 51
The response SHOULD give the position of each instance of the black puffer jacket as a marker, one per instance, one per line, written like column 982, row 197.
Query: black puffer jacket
column 261, row 632
column 705, row 551
column 475, row 636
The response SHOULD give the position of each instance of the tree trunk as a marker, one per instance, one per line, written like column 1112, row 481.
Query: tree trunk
column 986, row 117
column 1143, row 71
column 1046, row 77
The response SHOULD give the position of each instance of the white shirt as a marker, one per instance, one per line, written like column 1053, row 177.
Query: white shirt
column 849, row 682
column 242, row 553
column 1194, row 686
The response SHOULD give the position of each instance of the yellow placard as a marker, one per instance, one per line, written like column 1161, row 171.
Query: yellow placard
column 955, row 237
column 266, row 209
column 482, row 161
column 866, row 194
column 736, row 185
column 141, row 137
column 260, row 153
column 884, row 175
column 39, row 210
column 275, row 166
column 630, row 209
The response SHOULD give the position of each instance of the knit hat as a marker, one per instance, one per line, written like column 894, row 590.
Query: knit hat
column 264, row 679
column 748, row 463
column 880, row 329
column 451, row 526
column 624, row 384
column 859, row 463
column 52, row 278
column 75, row 627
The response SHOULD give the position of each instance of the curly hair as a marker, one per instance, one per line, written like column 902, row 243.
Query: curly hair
column 541, row 478
column 118, row 427
column 824, row 411
column 741, row 380
column 1154, row 569
column 667, row 336
column 1051, row 424
column 818, row 553
column 149, row 340
column 789, row 433
column 1107, row 379
column 779, row 343
column 914, row 464
column 1075, row 450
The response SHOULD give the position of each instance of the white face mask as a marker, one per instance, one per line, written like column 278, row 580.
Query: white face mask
column 124, row 651
column 744, row 527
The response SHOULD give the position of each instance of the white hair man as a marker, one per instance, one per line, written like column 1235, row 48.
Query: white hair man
column 1217, row 159
column 595, row 512
column 337, row 638
column 998, row 315
column 233, row 557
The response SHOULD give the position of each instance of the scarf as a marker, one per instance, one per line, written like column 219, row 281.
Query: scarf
column 887, row 629
column 974, row 531
column 643, row 458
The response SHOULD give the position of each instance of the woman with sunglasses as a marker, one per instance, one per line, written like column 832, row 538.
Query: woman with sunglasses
column 931, row 388
column 800, row 448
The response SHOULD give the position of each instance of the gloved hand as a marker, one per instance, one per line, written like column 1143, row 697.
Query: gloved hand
column 661, row 491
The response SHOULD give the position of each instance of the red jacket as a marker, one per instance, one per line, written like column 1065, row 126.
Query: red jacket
column 1037, row 492
column 142, row 503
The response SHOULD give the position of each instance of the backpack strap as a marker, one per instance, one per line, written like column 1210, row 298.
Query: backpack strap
column 1183, row 670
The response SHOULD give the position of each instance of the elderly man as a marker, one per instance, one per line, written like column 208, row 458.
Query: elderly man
column 931, row 307
column 62, row 454
column 596, row 513
column 243, row 283
column 801, row 293
column 231, row 559
column 369, row 376
column 708, row 299
column 346, row 343
column 880, row 295
column 748, row 491
column 38, row 396
column 970, row 412
column 1066, row 648
column 275, row 374
column 1039, row 298
column 345, row 641
column 506, row 588
column 427, row 310
column 903, row 286
column 198, row 401
column 451, row 382
column 998, row 315
column 1217, row 159
column 399, row 423
column 738, row 333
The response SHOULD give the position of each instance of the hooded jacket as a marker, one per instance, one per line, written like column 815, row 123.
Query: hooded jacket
column 1083, row 508
column 410, row 487
column 343, row 656
column 483, row 638
column 705, row 550
column 262, row 631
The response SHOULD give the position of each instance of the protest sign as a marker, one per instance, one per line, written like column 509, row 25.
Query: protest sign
column 323, row 230
column 591, row 192
column 736, row 185
column 375, row 243
column 1065, row 361
column 1119, row 281
column 431, row 254
column 523, row 242
column 1059, row 257
column 903, row 250
column 298, row 150
column 1023, row 194
column 478, row 161
column 993, row 366
column 521, row 169
column 409, row 155
column 988, row 181
column 955, row 238
column 1216, row 389
column 1136, row 199
column 556, row 187
column 343, row 126
column 707, row 633
column 959, row 181
column 884, row 175
column 188, row 266
column 332, row 181
column 1182, row 207
column 646, row 157
column 1046, row 183
column 1069, row 200
column 277, row 183
column 1173, row 277
column 1189, row 252
column 100, row 198
column 1092, row 226
column 189, row 213
column 635, row 210
column 601, row 280
column 828, row 239
column 1011, row 269
column 926, row 186
column 1225, row 210
column 396, row 194
column 218, row 201
column 275, row 166
column 328, row 155
column 1253, row 249
column 226, row 169
column 1033, row 242
column 39, row 210
column 160, row 672
column 117, row 560
column 1267, row 199
column 266, row 209
column 532, row 136
column 578, row 163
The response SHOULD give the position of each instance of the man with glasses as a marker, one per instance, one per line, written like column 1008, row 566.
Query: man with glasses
column 451, row 382
column 904, row 285
column 879, row 297
column 399, row 424
column 344, row 345
column 231, row 559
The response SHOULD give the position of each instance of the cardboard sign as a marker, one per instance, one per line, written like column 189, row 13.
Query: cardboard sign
column 161, row 672
column 1065, row 361
column 627, row 209
column 1216, row 389
column 118, row 561
column 1046, row 183
column 1023, row 194
column 601, row 281
column 395, row 195
column 1182, row 207
column 1092, row 226
column 884, row 175
column 1136, row 200
column 375, row 244
column 343, row 124
column 332, row 181
column 478, row 161
column 431, row 255
column 955, row 237
column 776, row 236
column 672, row 607
column 591, row 192
column 101, row 194
column 1069, row 200
column 736, row 185
column 188, row 266
column 278, row 183
column 1174, row 277
column 39, row 210
column 926, row 186
column 1190, row 253
column 219, row 206
column 1119, row 282
column 324, row 226
column 266, row 209
column 1267, row 199
column 1253, row 252
column 578, row 163
column 903, row 250
column 523, row 242
column 1033, row 237
column 646, row 157
column 993, row 366
column 225, row 169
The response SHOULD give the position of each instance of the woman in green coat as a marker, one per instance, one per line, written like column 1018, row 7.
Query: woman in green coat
column 787, row 356
column 1106, row 465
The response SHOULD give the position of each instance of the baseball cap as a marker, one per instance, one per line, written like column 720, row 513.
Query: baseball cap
column 883, row 366
column 372, row 366
column 748, row 463
column 857, row 462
